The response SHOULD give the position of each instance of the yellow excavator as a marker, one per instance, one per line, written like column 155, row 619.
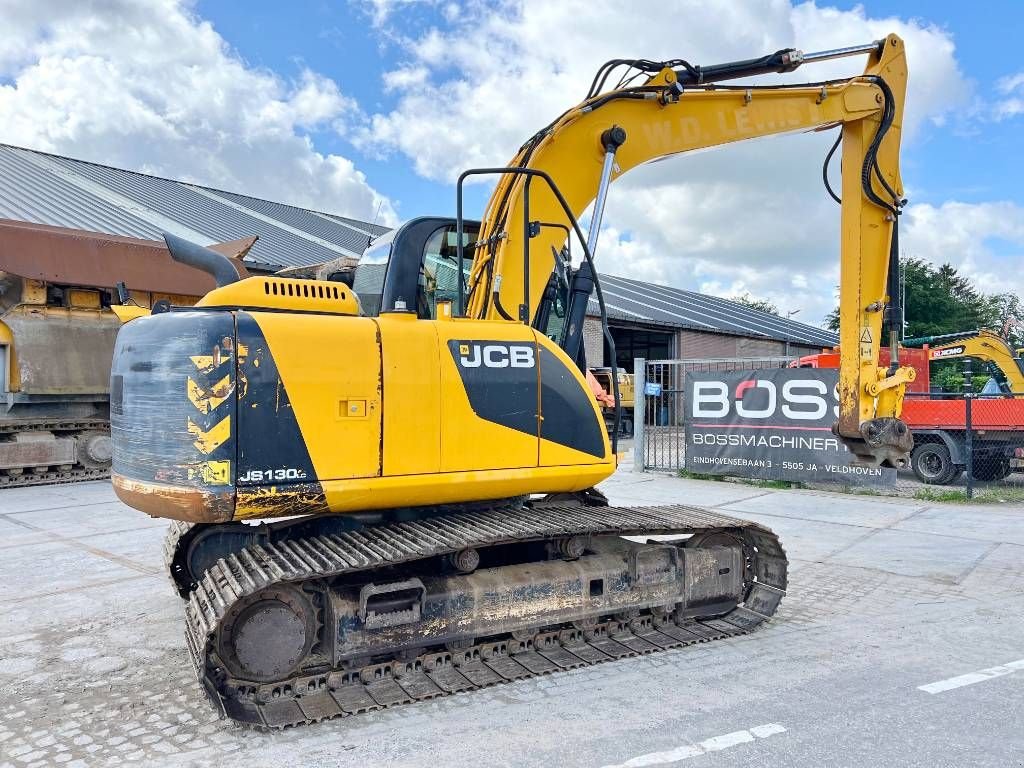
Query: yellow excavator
column 383, row 489
column 982, row 344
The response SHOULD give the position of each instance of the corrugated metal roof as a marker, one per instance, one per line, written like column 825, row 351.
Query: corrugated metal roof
column 50, row 189
column 637, row 301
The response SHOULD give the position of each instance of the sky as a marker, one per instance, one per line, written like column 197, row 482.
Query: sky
column 371, row 108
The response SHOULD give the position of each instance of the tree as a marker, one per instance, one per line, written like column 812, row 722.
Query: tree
column 762, row 305
column 940, row 300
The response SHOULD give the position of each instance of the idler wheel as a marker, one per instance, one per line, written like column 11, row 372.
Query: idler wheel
column 268, row 637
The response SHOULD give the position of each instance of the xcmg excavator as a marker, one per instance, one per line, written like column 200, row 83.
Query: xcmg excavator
column 984, row 345
column 426, row 439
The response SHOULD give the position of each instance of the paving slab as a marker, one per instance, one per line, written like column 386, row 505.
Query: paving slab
column 847, row 509
column 909, row 553
column 990, row 522
column 884, row 598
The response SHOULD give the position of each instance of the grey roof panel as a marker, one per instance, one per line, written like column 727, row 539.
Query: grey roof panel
column 323, row 226
column 214, row 219
column 32, row 189
column 663, row 305
column 31, row 193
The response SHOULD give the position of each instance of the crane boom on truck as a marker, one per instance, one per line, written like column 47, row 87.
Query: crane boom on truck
column 406, row 432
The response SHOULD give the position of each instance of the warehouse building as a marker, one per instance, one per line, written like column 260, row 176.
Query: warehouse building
column 650, row 321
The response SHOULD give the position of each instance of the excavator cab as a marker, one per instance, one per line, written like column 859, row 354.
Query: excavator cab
column 414, row 267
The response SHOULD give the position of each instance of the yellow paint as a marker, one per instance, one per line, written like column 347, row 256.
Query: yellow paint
column 444, row 488
column 204, row 363
column 412, row 395
column 467, row 441
column 79, row 297
column 13, row 382
column 207, row 441
column 33, row 292
column 324, row 359
column 126, row 312
column 285, row 293
column 206, row 400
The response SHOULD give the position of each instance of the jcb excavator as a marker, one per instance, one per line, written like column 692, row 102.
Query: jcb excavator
column 409, row 433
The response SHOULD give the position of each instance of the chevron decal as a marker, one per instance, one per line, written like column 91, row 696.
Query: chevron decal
column 205, row 400
column 210, row 440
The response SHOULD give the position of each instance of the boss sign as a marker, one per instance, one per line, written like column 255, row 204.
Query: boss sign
column 771, row 424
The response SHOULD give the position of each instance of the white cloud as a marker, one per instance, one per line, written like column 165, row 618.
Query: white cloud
column 1012, row 90
column 985, row 241
column 751, row 217
column 151, row 87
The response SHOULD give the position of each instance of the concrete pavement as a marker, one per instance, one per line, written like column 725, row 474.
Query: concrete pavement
column 896, row 645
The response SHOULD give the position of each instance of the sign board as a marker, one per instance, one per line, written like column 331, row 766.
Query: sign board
column 771, row 424
column 652, row 389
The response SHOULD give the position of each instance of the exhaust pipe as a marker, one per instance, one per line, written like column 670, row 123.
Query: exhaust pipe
column 186, row 252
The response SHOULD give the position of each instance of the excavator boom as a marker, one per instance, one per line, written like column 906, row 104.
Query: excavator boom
column 681, row 110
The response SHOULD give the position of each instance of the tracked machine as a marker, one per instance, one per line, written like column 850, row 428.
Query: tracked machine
column 383, row 489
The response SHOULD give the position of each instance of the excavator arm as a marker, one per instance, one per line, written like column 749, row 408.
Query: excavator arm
column 983, row 345
column 682, row 108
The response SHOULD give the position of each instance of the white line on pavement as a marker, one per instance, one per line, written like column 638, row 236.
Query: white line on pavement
column 714, row 744
column 974, row 677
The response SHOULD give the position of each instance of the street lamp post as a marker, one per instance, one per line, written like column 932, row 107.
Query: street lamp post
column 789, row 314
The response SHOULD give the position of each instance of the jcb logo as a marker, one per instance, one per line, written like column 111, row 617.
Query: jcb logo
column 802, row 399
column 496, row 355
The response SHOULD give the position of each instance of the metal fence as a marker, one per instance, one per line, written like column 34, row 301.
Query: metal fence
column 972, row 442
column 966, row 443
column 658, row 440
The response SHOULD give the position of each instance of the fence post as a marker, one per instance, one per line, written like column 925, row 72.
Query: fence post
column 639, row 412
column 969, row 437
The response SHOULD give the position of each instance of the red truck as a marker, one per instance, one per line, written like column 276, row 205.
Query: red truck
column 939, row 424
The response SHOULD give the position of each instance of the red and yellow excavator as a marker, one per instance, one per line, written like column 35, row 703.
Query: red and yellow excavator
column 421, row 444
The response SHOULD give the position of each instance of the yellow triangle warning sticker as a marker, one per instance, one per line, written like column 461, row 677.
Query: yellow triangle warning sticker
column 865, row 336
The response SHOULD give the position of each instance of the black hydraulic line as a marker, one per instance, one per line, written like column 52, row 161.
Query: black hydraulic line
column 519, row 170
column 825, row 165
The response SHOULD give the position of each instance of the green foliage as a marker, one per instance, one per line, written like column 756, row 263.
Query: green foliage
column 940, row 300
column 688, row 475
column 762, row 305
column 949, row 375
column 930, row 494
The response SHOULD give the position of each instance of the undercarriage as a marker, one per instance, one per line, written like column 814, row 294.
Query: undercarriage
column 318, row 618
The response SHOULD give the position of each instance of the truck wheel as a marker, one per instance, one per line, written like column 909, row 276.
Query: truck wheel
column 995, row 468
column 931, row 464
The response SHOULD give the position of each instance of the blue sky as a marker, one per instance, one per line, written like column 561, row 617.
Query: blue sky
column 370, row 108
column 959, row 160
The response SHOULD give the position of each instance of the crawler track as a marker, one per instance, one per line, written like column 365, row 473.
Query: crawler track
column 25, row 476
column 321, row 691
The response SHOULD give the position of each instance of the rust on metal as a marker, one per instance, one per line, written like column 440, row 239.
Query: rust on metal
column 189, row 504
column 78, row 257
column 281, row 501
